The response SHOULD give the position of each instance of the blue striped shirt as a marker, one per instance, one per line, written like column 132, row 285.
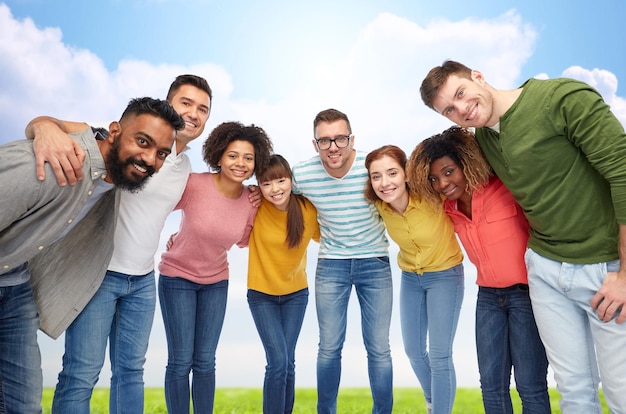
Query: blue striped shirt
column 350, row 227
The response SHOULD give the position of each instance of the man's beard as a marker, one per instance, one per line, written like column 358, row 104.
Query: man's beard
column 116, row 170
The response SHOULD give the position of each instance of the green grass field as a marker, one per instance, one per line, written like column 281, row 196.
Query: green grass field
column 351, row 401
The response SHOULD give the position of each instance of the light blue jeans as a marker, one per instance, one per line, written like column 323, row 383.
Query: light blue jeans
column 120, row 313
column 278, row 319
column 430, row 305
column 193, row 315
column 20, row 359
column 581, row 348
column 371, row 278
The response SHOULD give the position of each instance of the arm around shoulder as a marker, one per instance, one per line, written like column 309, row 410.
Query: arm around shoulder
column 53, row 145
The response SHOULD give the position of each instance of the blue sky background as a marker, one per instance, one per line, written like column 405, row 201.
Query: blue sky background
column 276, row 64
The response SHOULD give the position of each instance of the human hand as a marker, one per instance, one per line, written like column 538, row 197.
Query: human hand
column 255, row 195
column 170, row 241
column 64, row 154
column 610, row 300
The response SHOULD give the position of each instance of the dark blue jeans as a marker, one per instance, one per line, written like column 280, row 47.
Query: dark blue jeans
column 506, row 337
column 20, row 359
column 278, row 320
column 193, row 315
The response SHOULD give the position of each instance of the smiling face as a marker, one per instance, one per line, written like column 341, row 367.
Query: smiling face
column 277, row 192
column 193, row 105
column 336, row 161
column 388, row 181
column 237, row 162
column 138, row 146
column 466, row 102
column 447, row 178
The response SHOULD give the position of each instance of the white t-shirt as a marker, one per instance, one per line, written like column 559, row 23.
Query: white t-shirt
column 142, row 216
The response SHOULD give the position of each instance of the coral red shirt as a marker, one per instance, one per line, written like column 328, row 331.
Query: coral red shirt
column 495, row 238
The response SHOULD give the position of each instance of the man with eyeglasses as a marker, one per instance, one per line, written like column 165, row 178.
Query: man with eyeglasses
column 353, row 252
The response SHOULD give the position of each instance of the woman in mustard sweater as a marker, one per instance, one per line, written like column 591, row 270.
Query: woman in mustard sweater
column 432, row 286
column 277, row 282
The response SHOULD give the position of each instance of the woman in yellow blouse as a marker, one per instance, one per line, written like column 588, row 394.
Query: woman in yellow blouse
column 277, row 282
column 432, row 285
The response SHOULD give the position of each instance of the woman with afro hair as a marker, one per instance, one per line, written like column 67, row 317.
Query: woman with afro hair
column 193, row 285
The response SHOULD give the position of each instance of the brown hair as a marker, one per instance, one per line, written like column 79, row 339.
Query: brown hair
column 192, row 80
column 460, row 145
column 278, row 167
column 331, row 115
column 438, row 76
column 391, row 151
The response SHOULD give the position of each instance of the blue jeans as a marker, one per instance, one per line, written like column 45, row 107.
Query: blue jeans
column 580, row 347
column 506, row 337
column 121, row 312
column 371, row 278
column 430, row 305
column 20, row 360
column 193, row 315
column 278, row 320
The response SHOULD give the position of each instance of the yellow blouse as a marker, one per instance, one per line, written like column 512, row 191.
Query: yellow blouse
column 426, row 238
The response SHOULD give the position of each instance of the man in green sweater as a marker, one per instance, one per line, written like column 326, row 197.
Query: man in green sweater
column 562, row 153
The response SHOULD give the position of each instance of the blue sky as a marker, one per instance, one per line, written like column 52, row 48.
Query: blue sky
column 276, row 64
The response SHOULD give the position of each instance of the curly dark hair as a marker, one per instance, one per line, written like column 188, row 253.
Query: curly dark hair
column 225, row 133
column 460, row 145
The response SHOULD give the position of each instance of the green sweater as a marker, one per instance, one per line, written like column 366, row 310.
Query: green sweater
column 562, row 154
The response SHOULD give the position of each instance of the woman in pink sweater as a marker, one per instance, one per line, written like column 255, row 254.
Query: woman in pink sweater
column 216, row 214
column 494, row 232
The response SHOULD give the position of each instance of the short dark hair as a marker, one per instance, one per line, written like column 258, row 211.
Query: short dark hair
column 438, row 76
column 192, row 80
column 331, row 115
column 227, row 132
column 156, row 107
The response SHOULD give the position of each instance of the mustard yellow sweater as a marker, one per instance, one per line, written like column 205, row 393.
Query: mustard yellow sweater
column 273, row 268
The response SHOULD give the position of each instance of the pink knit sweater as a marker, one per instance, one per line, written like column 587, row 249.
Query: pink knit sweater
column 210, row 225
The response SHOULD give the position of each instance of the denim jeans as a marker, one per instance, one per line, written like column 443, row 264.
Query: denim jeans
column 2, row 406
column 581, row 348
column 278, row 320
column 371, row 278
column 120, row 313
column 430, row 305
column 20, row 359
column 507, row 337
column 193, row 315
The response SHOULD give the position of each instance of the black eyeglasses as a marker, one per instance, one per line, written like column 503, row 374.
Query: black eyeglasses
column 341, row 141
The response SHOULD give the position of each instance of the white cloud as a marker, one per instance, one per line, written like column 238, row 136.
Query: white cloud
column 43, row 75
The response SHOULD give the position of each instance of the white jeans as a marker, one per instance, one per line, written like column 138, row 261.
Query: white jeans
column 574, row 336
